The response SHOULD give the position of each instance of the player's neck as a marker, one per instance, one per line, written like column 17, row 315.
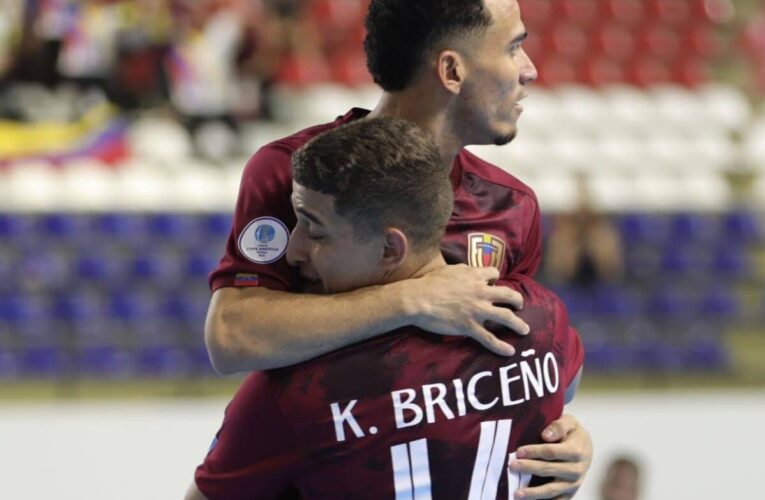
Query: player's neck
column 417, row 268
column 419, row 106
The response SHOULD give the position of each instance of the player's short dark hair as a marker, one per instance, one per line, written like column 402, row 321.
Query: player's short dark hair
column 382, row 172
column 401, row 34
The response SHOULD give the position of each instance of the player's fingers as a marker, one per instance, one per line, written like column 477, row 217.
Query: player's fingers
column 508, row 318
column 560, row 470
column 559, row 428
column 486, row 274
column 552, row 451
column 555, row 489
column 490, row 341
column 505, row 295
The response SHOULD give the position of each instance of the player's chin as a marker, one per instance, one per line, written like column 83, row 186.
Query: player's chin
column 503, row 139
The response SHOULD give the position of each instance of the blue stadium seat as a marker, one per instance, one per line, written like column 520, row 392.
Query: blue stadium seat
column 693, row 228
column 132, row 306
column 126, row 229
column 158, row 268
column 176, row 227
column 742, row 227
column 668, row 303
column 186, row 308
column 48, row 268
column 19, row 310
column 217, row 226
column 105, row 361
column 684, row 261
column 65, row 227
column 731, row 261
column 101, row 267
column 16, row 227
column 45, row 361
column 616, row 302
column 9, row 365
column 637, row 228
column 164, row 361
column 200, row 263
column 654, row 355
column 718, row 303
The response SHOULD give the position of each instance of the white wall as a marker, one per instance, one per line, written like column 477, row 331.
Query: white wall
column 700, row 446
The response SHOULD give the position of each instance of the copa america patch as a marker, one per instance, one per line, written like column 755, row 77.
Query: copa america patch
column 264, row 240
column 485, row 250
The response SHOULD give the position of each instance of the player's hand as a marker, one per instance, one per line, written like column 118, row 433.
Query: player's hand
column 458, row 300
column 566, row 459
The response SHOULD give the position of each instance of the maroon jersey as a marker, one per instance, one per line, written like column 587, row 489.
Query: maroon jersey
column 495, row 220
column 405, row 415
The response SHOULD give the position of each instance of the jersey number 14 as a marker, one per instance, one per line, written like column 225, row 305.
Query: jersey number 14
column 411, row 470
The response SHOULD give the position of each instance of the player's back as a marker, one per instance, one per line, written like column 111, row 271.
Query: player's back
column 415, row 415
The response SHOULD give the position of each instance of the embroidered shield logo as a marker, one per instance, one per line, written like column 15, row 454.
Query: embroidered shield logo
column 485, row 250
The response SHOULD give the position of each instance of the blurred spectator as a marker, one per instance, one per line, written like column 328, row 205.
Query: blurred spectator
column 622, row 480
column 584, row 247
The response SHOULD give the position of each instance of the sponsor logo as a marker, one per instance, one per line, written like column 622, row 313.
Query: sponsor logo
column 485, row 250
column 264, row 240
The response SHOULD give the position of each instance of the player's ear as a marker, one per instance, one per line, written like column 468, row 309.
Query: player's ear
column 396, row 248
column 451, row 70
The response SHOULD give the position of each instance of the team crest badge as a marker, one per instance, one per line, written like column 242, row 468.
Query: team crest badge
column 485, row 250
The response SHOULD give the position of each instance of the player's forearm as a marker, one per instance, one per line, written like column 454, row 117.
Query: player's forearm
column 255, row 328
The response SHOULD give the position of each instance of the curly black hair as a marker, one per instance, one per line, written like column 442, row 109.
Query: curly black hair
column 400, row 34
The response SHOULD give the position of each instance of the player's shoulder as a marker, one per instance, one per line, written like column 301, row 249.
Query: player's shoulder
column 493, row 174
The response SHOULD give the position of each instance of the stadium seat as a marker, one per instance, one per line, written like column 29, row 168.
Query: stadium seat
column 612, row 301
column 105, row 361
column 731, row 260
column 669, row 304
column 692, row 229
column 200, row 263
column 96, row 267
column 719, row 304
column 626, row 12
column 742, row 226
column 133, row 307
column 164, row 361
column 127, row 229
column 9, row 365
column 46, row 362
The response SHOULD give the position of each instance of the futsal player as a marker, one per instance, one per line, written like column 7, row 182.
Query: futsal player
column 408, row 414
column 456, row 68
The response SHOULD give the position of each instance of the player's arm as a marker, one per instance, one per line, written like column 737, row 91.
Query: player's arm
column 257, row 328
column 566, row 454
column 256, row 452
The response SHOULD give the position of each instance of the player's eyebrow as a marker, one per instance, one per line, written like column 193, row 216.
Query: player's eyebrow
column 518, row 39
column 308, row 215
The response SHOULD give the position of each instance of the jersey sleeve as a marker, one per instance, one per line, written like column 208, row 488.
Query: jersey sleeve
column 531, row 252
column 263, row 220
column 254, row 455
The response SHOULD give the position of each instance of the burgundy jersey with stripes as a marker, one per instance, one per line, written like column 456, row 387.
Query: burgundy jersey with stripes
column 405, row 415
column 495, row 221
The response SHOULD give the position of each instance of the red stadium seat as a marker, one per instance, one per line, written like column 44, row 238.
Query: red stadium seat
column 603, row 71
column 661, row 41
column 704, row 41
column 569, row 40
column 536, row 13
column 648, row 71
column 613, row 41
column 627, row 12
column 673, row 12
column 556, row 70
column 583, row 13
column 691, row 72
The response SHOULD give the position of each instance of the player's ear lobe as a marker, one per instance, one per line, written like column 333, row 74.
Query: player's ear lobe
column 396, row 248
column 451, row 70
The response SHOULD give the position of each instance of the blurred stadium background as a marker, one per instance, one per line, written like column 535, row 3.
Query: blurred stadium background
column 124, row 128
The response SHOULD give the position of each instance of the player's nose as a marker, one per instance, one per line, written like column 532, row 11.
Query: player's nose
column 528, row 69
column 296, row 248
